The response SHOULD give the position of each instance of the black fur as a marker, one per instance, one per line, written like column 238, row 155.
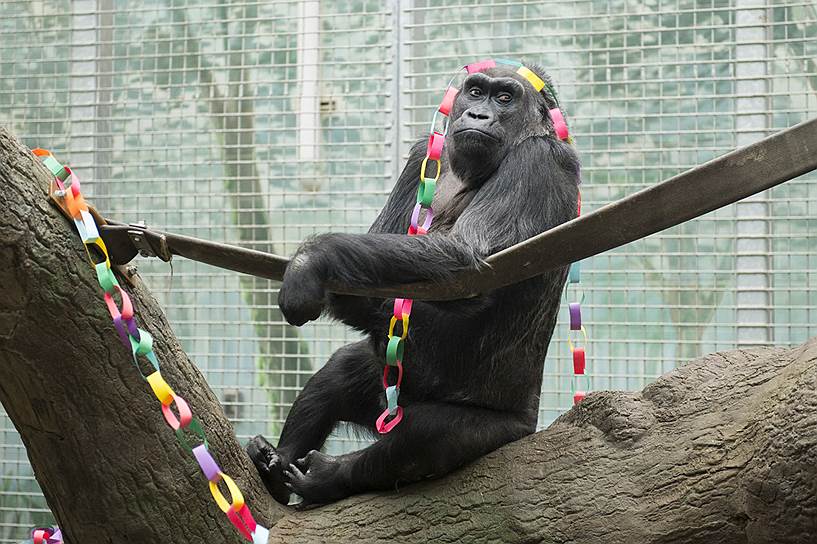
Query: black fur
column 473, row 368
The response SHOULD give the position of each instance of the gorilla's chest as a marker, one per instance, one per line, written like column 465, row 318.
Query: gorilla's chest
column 451, row 198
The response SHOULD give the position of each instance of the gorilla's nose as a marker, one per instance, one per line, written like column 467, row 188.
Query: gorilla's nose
column 478, row 114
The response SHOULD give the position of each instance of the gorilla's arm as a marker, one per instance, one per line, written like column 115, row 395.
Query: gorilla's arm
column 534, row 189
column 366, row 313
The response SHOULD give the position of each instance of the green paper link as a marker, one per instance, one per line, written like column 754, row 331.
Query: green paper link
column 105, row 277
column 425, row 192
column 145, row 344
column 394, row 350
column 196, row 428
column 55, row 167
column 150, row 355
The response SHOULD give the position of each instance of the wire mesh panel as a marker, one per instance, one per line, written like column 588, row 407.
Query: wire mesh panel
column 261, row 123
column 652, row 89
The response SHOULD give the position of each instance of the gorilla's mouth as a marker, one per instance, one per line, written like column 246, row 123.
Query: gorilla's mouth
column 475, row 131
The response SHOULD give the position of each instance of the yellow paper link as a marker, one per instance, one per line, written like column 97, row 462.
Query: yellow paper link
column 535, row 80
column 100, row 244
column 570, row 340
column 160, row 388
column 405, row 321
column 235, row 494
column 423, row 169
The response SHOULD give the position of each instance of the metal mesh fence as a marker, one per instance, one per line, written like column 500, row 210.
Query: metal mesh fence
column 261, row 123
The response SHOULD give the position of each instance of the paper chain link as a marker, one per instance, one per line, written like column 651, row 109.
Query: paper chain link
column 46, row 535
column 140, row 343
column 395, row 344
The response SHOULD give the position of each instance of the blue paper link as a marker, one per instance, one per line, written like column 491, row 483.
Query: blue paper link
column 392, row 392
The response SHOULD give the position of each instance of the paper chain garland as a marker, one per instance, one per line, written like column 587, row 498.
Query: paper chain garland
column 65, row 189
column 395, row 347
column 581, row 383
column 46, row 535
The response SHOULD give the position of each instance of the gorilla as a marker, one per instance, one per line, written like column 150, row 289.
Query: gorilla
column 473, row 367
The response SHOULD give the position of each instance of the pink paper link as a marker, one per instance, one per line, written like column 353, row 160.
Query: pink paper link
column 435, row 146
column 480, row 66
column 383, row 427
column 559, row 124
column 122, row 320
column 74, row 181
column 40, row 535
column 402, row 306
column 185, row 415
column 127, row 306
column 47, row 535
column 448, row 100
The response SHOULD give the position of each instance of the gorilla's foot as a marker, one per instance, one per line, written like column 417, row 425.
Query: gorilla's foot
column 270, row 466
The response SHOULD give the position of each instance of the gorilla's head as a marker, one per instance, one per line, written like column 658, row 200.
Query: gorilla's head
column 495, row 110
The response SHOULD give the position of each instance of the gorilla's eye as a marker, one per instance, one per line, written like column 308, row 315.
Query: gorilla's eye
column 476, row 92
column 504, row 97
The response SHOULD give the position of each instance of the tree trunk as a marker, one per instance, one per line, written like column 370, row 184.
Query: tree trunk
column 722, row 450
column 109, row 466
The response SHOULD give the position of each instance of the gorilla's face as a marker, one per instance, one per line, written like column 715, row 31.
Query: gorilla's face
column 494, row 110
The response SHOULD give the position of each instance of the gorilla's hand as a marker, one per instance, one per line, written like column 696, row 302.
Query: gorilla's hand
column 303, row 295
column 317, row 478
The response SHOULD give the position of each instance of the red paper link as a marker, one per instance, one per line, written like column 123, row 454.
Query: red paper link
column 399, row 375
column 578, row 361
column 243, row 521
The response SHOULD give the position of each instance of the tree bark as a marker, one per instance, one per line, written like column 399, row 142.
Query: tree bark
column 721, row 450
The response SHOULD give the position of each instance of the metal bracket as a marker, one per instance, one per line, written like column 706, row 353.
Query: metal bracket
column 137, row 232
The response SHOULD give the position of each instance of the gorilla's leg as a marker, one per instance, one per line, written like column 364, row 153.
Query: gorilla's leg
column 347, row 388
column 432, row 440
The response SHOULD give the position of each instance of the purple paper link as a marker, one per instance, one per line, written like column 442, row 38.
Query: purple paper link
column 415, row 216
column 207, row 463
column 429, row 218
column 123, row 333
column 56, row 538
column 132, row 329
column 575, row 316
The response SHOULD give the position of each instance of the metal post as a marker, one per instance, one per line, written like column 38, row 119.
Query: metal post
column 752, row 225
column 104, row 107
column 308, row 110
column 82, row 85
column 399, row 56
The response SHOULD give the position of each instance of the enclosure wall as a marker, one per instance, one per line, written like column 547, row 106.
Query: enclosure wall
column 262, row 123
